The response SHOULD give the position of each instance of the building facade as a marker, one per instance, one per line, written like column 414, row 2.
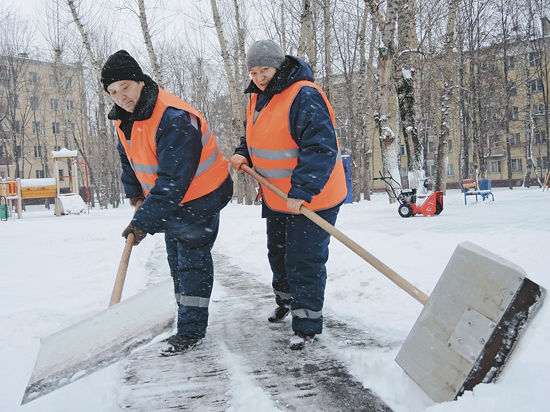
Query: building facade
column 42, row 109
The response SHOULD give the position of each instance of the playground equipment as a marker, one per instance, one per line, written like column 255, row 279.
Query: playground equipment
column 410, row 203
column 42, row 188
column 67, row 202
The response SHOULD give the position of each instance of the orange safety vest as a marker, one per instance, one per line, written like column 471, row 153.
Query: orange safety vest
column 142, row 151
column 274, row 152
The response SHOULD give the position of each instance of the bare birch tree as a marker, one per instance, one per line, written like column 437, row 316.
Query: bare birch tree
column 109, row 190
column 149, row 43
column 389, row 142
column 446, row 100
column 407, row 61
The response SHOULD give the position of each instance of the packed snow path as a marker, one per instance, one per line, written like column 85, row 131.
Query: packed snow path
column 242, row 348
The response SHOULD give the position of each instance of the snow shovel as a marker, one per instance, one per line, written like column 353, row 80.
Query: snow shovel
column 105, row 338
column 469, row 325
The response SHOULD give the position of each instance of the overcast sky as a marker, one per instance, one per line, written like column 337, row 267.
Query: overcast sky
column 186, row 20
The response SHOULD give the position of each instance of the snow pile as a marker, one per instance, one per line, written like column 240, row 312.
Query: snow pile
column 71, row 203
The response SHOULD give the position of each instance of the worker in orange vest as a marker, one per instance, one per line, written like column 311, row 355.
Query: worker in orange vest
column 172, row 162
column 291, row 141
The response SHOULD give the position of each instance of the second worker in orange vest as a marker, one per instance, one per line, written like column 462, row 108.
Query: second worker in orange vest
column 172, row 162
column 291, row 141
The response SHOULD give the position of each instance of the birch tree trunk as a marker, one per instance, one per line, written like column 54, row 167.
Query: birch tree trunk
column 237, row 110
column 328, row 53
column 445, row 99
column 306, row 48
column 109, row 189
column 406, row 87
column 149, row 43
column 363, row 156
column 386, row 53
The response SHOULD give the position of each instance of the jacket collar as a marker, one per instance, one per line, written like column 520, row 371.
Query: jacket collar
column 144, row 107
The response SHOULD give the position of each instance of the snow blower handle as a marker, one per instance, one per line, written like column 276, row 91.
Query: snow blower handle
column 123, row 266
column 369, row 258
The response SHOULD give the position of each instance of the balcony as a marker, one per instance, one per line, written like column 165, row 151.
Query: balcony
column 497, row 152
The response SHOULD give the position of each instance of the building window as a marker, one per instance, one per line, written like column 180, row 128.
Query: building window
column 40, row 174
column 516, row 165
column 3, row 72
column 534, row 59
column 38, row 152
column 71, row 127
column 14, row 101
column 450, row 169
column 541, row 163
column 512, row 89
column 403, row 153
column 515, row 139
column 61, row 174
column 494, row 140
column 33, row 77
column 494, row 166
column 431, row 170
column 69, row 81
column 54, row 103
column 18, row 151
column 52, row 81
column 450, row 146
column 35, row 104
column 70, row 105
column 535, row 85
column 55, row 128
column 538, row 109
column 540, row 136
column 514, row 113
column 16, row 127
column 509, row 62
column 36, row 127
column 431, row 146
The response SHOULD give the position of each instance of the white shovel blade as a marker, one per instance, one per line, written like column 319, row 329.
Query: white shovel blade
column 101, row 340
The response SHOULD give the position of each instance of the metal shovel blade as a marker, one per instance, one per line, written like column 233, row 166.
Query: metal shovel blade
column 101, row 340
column 470, row 324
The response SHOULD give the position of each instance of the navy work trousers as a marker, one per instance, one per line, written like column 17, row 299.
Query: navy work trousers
column 297, row 252
column 189, row 247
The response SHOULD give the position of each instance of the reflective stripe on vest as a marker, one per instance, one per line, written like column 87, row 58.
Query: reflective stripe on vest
column 274, row 152
column 141, row 150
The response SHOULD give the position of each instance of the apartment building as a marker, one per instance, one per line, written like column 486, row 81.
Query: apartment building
column 517, row 112
column 42, row 108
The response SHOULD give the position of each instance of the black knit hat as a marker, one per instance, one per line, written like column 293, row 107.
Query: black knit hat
column 265, row 53
column 120, row 66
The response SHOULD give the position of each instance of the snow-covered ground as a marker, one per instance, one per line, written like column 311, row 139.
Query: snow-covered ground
column 55, row 271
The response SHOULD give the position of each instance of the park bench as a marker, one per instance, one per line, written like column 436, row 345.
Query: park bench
column 470, row 187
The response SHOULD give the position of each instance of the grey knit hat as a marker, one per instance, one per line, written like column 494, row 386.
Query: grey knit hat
column 265, row 53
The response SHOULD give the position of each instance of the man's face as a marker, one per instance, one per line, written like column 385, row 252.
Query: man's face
column 261, row 75
column 126, row 93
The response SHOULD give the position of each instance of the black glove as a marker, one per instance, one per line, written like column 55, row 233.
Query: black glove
column 134, row 200
column 139, row 234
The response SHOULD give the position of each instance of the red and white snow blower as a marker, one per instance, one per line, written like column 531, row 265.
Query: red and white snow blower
column 410, row 203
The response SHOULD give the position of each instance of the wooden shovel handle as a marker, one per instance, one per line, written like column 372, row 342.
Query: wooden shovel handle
column 122, row 267
column 368, row 257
